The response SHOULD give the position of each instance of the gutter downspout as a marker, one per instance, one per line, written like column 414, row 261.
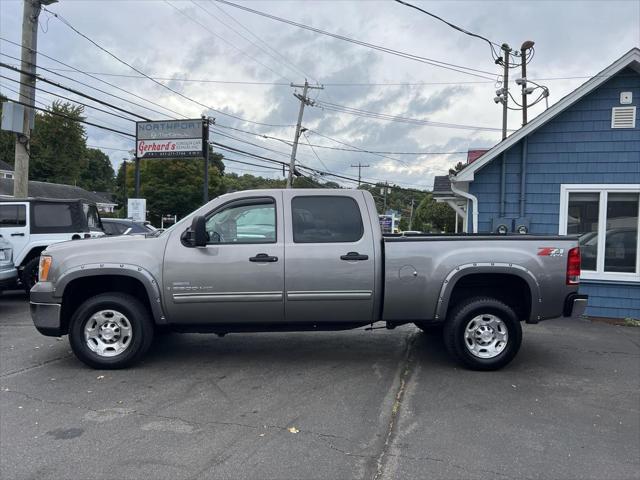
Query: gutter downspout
column 523, row 175
column 474, row 203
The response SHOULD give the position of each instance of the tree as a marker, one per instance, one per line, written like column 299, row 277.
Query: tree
column 434, row 216
column 459, row 166
column 58, row 145
column 171, row 186
column 98, row 174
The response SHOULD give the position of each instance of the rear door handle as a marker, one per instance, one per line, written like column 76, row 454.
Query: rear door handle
column 354, row 256
column 263, row 257
column 17, row 234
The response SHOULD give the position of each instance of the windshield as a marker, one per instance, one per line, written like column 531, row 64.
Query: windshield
column 93, row 217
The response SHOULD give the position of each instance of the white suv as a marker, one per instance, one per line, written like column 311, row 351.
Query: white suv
column 31, row 225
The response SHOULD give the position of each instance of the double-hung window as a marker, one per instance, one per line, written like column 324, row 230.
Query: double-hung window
column 605, row 217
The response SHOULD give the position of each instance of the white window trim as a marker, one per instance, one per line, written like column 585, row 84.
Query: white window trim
column 603, row 190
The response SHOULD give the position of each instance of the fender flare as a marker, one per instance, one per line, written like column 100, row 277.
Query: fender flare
column 464, row 270
column 28, row 248
column 122, row 269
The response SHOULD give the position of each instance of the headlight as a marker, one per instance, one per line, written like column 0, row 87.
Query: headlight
column 6, row 254
column 45, row 265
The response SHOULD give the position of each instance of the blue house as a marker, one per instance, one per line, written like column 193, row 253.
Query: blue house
column 574, row 169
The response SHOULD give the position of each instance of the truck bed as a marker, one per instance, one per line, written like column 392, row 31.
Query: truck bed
column 421, row 273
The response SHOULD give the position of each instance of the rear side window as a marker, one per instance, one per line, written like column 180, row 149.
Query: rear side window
column 13, row 215
column 326, row 219
column 52, row 215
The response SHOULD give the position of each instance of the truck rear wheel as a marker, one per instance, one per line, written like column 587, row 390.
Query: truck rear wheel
column 110, row 331
column 483, row 334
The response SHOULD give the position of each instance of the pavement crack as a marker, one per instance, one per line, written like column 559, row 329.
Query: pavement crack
column 392, row 425
column 27, row 369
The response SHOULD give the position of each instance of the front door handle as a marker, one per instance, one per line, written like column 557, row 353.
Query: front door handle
column 17, row 234
column 354, row 256
column 263, row 257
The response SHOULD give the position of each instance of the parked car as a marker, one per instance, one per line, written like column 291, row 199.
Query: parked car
column 293, row 260
column 32, row 224
column 126, row 226
column 8, row 272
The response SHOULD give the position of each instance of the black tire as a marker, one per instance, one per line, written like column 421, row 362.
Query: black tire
column 460, row 317
column 29, row 275
column 430, row 328
column 137, row 316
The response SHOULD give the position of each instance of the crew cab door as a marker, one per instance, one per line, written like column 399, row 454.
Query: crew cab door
column 14, row 227
column 238, row 277
column 330, row 264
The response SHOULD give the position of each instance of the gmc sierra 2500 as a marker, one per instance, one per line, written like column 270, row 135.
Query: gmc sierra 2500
column 291, row 260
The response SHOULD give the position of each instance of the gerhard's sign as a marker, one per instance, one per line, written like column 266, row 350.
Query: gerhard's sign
column 172, row 138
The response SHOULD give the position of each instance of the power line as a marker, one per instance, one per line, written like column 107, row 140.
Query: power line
column 75, row 119
column 109, row 148
column 417, row 58
column 100, row 47
column 460, row 29
column 277, row 57
column 72, row 90
column 70, row 99
column 314, row 152
column 343, row 149
column 287, row 84
column 183, row 13
column 397, row 118
column 29, row 97
column 260, row 40
column 90, row 75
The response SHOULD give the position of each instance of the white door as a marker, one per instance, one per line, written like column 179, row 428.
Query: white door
column 14, row 228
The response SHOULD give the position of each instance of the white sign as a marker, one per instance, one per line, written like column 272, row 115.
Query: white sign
column 137, row 209
column 184, row 147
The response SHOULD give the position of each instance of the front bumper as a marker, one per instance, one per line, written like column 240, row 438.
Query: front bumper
column 575, row 305
column 45, row 311
column 8, row 277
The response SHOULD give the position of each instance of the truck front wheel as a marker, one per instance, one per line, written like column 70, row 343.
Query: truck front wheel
column 483, row 333
column 110, row 331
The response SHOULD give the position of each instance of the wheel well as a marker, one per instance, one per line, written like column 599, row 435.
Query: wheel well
column 509, row 289
column 80, row 289
column 34, row 252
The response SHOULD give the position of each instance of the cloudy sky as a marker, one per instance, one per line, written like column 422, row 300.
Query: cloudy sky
column 249, row 61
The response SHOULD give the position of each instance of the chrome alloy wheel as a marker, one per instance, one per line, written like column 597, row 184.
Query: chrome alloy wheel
column 486, row 336
column 108, row 333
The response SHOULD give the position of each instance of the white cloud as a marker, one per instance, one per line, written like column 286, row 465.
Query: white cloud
column 575, row 38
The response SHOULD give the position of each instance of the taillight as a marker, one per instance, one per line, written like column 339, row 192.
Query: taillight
column 573, row 266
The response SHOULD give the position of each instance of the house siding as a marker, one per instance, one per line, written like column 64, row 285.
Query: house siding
column 577, row 146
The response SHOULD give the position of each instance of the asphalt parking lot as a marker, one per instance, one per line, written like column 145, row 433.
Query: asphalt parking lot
column 361, row 404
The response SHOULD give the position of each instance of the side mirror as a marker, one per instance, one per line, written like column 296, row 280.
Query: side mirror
column 199, row 235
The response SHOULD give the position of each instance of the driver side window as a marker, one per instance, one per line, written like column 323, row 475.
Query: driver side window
column 243, row 223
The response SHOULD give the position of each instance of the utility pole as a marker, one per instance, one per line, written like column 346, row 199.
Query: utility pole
column 505, row 89
column 303, row 101
column 411, row 216
column 523, row 58
column 125, row 193
column 386, row 187
column 205, row 144
column 359, row 166
column 30, row 14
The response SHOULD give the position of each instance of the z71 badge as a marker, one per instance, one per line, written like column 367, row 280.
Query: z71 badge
column 550, row 252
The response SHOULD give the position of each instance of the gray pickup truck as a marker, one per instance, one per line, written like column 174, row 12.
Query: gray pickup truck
column 294, row 260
